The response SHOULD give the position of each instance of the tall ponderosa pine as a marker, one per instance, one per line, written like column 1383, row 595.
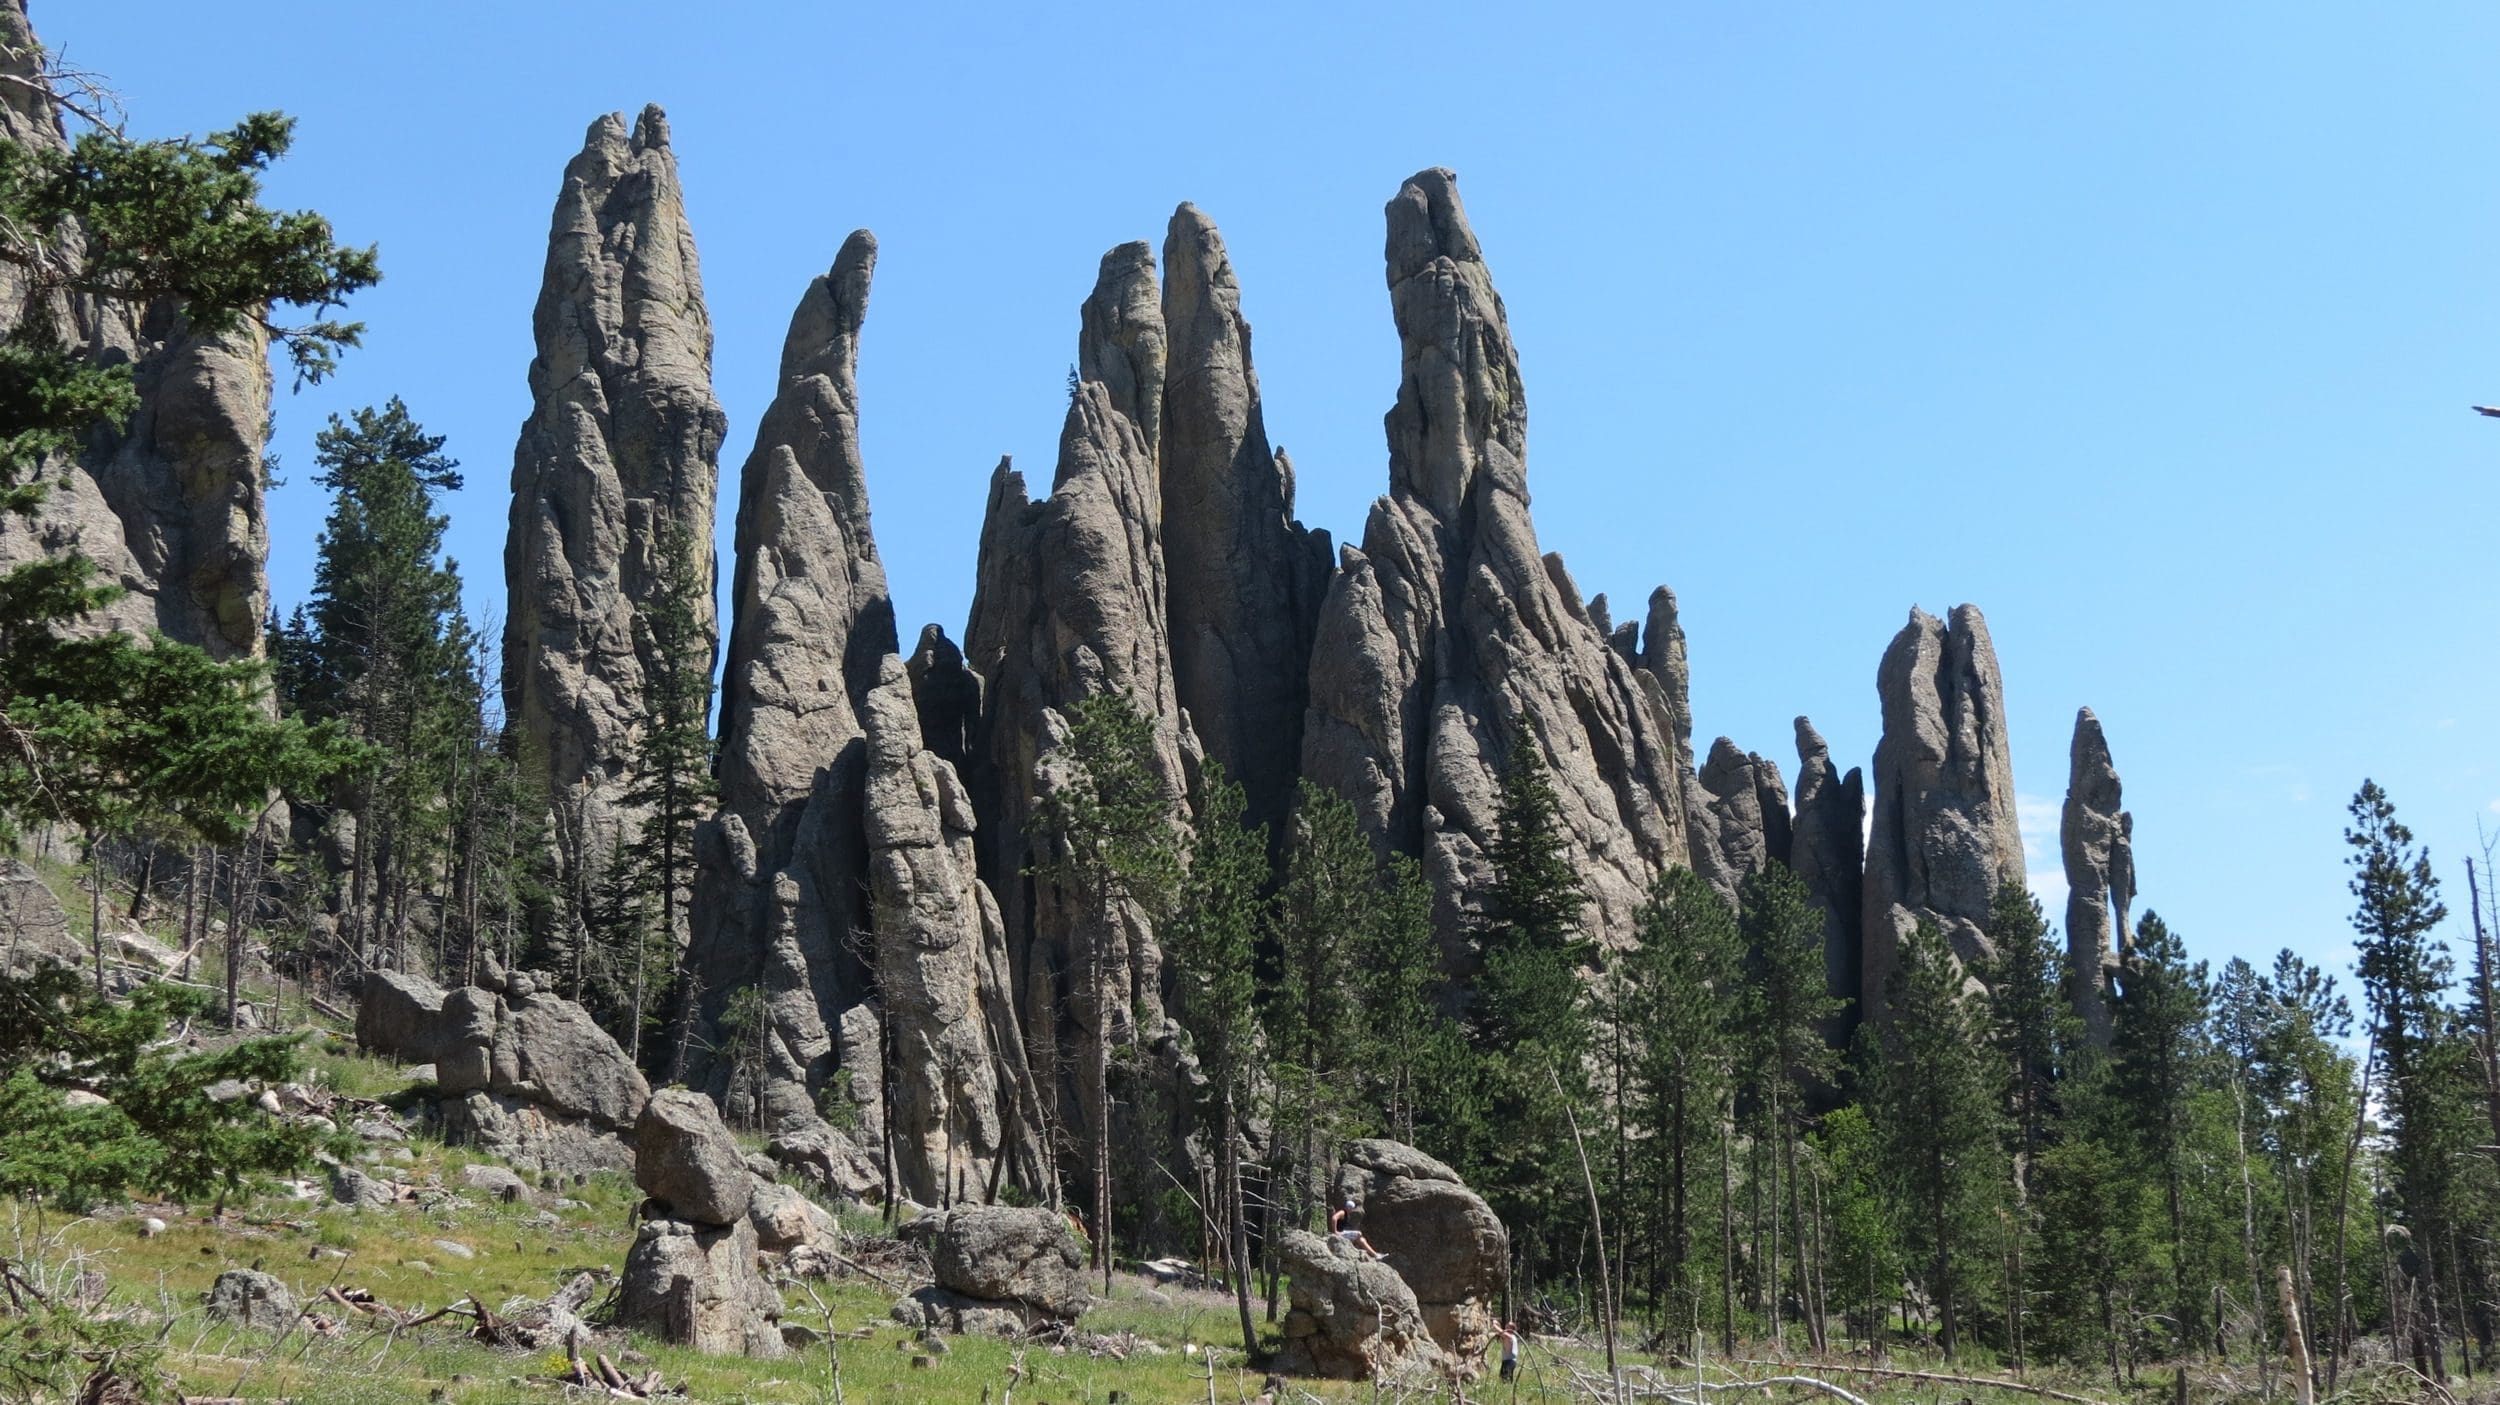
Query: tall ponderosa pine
column 1408, row 1041
column 1789, row 1062
column 1529, row 1023
column 1212, row 944
column 2159, row 1047
column 1936, row 1110
column 671, row 781
column 1329, row 893
column 1674, row 1004
column 2031, row 1027
column 1110, row 844
column 2406, row 973
column 108, row 733
column 382, row 648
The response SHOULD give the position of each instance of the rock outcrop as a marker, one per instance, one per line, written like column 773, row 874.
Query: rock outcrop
column 250, row 1298
column 997, row 1269
column 1438, row 1235
column 1945, row 834
column 1353, row 1318
column 1748, row 807
column 523, row 1072
column 783, row 881
column 614, row 476
column 2097, row 841
column 691, row 1276
column 170, row 504
column 956, row 1093
column 1448, row 625
column 1070, row 603
column 1246, row 579
column 1827, row 852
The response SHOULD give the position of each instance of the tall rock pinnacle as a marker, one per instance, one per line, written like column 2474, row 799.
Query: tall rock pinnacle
column 618, row 458
column 1748, row 807
column 1448, row 624
column 1070, row 602
column 1828, row 855
column 785, row 877
column 1945, row 834
column 1246, row 579
column 2097, row 841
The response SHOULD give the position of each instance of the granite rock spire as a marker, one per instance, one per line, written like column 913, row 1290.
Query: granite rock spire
column 2097, row 840
column 616, row 467
column 1945, row 836
column 1448, row 625
column 1245, row 578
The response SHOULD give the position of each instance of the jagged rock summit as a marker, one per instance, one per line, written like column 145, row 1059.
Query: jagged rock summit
column 615, row 472
column 1945, row 834
column 1447, row 626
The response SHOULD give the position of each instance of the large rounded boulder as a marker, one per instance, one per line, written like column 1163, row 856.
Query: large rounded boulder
column 685, row 1158
column 1439, row 1236
column 1353, row 1317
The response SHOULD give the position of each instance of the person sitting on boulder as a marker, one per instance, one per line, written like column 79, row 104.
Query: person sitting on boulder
column 1341, row 1224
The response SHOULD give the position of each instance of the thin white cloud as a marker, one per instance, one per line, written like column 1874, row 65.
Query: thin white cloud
column 2044, row 867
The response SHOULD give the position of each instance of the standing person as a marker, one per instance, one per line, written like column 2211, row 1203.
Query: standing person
column 1509, row 1334
column 1341, row 1223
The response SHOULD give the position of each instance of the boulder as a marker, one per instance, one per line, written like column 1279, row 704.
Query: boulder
column 1025, row 1259
column 685, row 1158
column 935, row 1309
column 353, row 1188
column 250, row 1298
column 1353, row 1318
column 399, row 1015
column 525, row 1134
column 785, row 1219
column 498, row 1181
column 697, row 1285
column 830, row 1159
column 1439, row 1236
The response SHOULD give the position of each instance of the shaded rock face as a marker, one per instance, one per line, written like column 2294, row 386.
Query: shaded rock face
column 2096, row 839
column 1944, row 834
column 1827, row 852
column 957, row 1090
column 1352, row 1318
column 618, row 458
column 783, row 870
column 832, row 1160
column 169, row 506
column 525, row 1073
column 1449, row 1246
column 1246, row 579
column 1070, row 602
column 1448, row 624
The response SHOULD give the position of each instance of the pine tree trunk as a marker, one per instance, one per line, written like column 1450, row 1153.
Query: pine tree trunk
column 1237, row 1234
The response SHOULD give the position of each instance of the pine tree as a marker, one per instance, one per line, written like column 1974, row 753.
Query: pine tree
column 1530, row 1024
column 1397, row 970
column 1109, row 843
column 672, row 778
column 1212, row 944
column 2031, row 1028
column 1789, row 1061
column 2158, row 1044
column 1310, row 1016
column 2406, row 974
column 383, row 651
column 1676, row 1007
column 1935, row 1108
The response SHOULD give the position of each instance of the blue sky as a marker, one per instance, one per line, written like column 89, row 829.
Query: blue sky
column 2150, row 329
